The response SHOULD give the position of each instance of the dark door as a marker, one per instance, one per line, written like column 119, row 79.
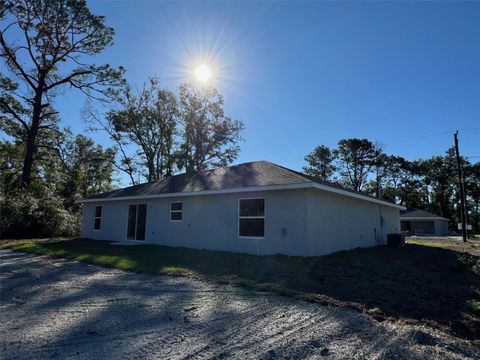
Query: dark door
column 141, row 221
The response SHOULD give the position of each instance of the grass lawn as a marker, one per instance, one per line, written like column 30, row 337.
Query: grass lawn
column 429, row 281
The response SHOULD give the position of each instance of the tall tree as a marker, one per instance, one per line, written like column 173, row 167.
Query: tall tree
column 394, row 170
column 125, row 162
column 356, row 158
column 147, row 119
column 379, row 167
column 472, row 189
column 55, row 38
column 439, row 176
column 412, row 190
column 86, row 168
column 320, row 163
column 210, row 138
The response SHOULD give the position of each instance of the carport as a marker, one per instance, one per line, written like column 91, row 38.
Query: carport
column 420, row 222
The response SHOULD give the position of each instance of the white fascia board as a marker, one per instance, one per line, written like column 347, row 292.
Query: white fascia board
column 306, row 185
column 356, row 196
column 406, row 218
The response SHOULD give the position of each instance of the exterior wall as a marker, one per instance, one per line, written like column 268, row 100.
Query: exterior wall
column 114, row 221
column 436, row 227
column 341, row 223
column 316, row 222
column 209, row 222
column 441, row 227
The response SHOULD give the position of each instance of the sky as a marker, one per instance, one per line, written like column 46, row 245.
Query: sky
column 404, row 74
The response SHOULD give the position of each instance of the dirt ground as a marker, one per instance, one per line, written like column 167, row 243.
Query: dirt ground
column 51, row 308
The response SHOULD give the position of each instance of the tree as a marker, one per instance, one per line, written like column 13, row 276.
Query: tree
column 412, row 192
column 379, row 167
column 439, row 175
column 47, row 207
column 472, row 189
column 126, row 162
column 356, row 158
column 320, row 163
column 86, row 168
column 55, row 38
column 210, row 138
column 149, row 120
column 395, row 168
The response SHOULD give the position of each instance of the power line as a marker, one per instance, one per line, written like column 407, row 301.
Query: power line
column 420, row 137
column 448, row 132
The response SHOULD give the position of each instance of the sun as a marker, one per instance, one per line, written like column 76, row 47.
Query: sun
column 203, row 73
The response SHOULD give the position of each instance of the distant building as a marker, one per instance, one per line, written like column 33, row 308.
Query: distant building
column 420, row 222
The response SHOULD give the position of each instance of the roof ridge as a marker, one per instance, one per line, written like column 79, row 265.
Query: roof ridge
column 309, row 178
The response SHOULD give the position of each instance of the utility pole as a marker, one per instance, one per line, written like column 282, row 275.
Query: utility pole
column 461, row 185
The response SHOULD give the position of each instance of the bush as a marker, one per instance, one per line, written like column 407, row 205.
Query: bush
column 34, row 213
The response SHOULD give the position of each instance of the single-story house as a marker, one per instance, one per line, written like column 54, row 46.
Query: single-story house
column 420, row 222
column 256, row 208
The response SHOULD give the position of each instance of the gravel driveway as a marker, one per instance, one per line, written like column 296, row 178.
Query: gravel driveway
column 58, row 309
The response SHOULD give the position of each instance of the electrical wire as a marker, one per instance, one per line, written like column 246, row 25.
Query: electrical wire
column 449, row 132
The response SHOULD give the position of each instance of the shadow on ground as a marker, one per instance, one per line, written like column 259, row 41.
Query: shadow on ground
column 56, row 309
column 415, row 283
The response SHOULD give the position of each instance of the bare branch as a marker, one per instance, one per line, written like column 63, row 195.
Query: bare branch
column 10, row 54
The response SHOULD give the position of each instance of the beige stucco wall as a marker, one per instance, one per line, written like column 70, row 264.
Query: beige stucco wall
column 316, row 222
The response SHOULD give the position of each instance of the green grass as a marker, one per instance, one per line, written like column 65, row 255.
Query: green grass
column 475, row 304
column 438, row 284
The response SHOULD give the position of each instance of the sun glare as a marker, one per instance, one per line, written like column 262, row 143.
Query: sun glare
column 203, row 73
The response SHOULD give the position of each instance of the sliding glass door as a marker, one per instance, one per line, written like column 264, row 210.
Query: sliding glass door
column 137, row 219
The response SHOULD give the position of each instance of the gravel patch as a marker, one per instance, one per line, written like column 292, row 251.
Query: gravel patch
column 52, row 308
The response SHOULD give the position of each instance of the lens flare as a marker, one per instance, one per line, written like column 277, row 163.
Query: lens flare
column 203, row 73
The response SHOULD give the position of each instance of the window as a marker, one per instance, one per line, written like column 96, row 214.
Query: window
column 176, row 210
column 251, row 218
column 137, row 218
column 97, row 221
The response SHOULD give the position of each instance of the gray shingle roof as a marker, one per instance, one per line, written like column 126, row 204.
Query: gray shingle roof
column 246, row 175
column 417, row 213
column 252, row 174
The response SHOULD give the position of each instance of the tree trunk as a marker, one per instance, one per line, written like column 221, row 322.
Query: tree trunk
column 28, row 160
column 31, row 139
column 151, row 169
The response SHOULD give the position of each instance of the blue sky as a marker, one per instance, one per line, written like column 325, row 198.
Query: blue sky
column 304, row 74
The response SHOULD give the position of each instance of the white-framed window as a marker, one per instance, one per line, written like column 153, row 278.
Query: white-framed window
column 176, row 211
column 251, row 217
column 97, row 220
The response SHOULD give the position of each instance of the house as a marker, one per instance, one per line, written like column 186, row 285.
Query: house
column 420, row 222
column 257, row 208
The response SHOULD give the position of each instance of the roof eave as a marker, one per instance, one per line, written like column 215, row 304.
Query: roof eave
column 422, row 218
column 305, row 185
column 200, row 193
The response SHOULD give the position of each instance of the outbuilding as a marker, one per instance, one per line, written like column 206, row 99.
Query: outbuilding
column 257, row 208
column 421, row 222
